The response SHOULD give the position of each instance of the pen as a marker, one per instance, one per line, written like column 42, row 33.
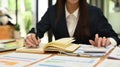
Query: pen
column 76, row 54
column 36, row 35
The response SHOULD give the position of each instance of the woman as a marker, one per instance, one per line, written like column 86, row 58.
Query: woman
column 75, row 18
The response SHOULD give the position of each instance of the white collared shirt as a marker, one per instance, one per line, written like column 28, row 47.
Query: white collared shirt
column 72, row 20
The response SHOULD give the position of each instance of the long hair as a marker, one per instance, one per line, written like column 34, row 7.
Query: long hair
column 82, row 29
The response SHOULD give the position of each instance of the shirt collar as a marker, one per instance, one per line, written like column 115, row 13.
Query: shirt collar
column 75, row 13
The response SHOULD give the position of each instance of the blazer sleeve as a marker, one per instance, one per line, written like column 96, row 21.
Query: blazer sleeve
column 104, row 28
column 44, row 25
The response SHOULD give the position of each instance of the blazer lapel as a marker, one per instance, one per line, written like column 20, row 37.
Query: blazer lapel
column 62, row 25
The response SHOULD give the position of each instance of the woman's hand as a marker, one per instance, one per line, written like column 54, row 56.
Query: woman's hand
column 100, row 41
column 31, row 41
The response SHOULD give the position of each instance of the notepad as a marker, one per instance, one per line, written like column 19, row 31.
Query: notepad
column 63, row 44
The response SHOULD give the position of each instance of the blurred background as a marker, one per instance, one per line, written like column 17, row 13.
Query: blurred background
column 25, row 14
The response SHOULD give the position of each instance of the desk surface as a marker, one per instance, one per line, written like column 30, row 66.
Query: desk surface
column 101, row 58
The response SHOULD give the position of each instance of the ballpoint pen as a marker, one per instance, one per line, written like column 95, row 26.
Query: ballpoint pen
column 37, row 36
column 75, row 54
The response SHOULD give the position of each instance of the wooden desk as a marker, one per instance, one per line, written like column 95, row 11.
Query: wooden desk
column 6, row 52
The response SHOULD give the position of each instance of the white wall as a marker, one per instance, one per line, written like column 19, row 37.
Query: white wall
column 112, row 16
column 54, row 1
column 42, row 8
column 43, row 5
column 4, row 3
column 114, row 19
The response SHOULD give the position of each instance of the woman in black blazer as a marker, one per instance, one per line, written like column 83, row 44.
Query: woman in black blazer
column 75, row 18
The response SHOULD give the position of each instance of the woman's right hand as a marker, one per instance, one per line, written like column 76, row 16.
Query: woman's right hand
column 31, row 41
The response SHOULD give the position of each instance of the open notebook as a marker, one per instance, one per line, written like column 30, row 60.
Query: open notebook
column 63, row 44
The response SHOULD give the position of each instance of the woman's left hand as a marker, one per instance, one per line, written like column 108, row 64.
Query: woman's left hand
column 100, row 41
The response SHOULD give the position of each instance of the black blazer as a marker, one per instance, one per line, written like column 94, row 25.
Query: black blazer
column 97, row 24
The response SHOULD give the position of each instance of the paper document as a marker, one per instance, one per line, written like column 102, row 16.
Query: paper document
column 93, row 51
column 109, row 63
column 115, row 54
column 66, row 61
column 19, row 59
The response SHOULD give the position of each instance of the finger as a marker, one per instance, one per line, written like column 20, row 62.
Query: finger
column 34, row 38
column 25, row 44
column 99, row 42
column 92, row 42
column 96, row 36
column 39, row 40
column 104, row 41
column 107, row 42
column 30, row 44
column 96, row 39
column 30, row 39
